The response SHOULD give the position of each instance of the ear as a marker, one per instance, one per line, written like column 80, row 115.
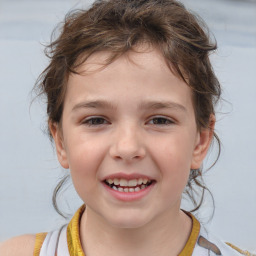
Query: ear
column 59, row 144
column 203, row 143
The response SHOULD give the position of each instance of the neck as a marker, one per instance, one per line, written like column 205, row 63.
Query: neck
column 165, row 235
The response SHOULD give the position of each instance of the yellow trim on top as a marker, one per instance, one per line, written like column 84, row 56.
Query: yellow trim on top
column 75, row 247
column 240, row 251
column 38, row 243
column 190, row 245
column 73, row 237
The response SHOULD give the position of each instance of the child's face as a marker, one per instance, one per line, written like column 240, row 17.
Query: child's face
column 133, row 119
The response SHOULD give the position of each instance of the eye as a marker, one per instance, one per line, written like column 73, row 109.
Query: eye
column 161, row 121
column 95, row 121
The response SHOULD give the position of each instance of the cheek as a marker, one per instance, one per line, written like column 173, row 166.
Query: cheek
column 84, row 159
column 83, row 151
column 176, row 151
column 174, row 157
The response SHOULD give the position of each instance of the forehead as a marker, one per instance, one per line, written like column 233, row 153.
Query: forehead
column 141, row 56
column 144, row 72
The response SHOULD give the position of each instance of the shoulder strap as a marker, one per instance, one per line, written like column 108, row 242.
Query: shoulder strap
column 208, row 244
column 55, row 243
column 62, row 249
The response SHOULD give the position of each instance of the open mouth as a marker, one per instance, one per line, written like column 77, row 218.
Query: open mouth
column 128, row 186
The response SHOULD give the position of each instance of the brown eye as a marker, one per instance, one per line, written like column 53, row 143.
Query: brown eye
column 94, row 121
column 161, row 121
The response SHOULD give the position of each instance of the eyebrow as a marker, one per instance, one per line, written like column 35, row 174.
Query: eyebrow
column 94, row 104
column 155, row 105
column 162, row 104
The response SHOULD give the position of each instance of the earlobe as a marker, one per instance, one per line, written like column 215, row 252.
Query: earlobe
column 59, row 144
column 203, row 143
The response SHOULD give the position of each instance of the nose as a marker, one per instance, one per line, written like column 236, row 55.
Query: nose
column 128, row 144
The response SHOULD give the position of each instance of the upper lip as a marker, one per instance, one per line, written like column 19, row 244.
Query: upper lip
column 127, row 176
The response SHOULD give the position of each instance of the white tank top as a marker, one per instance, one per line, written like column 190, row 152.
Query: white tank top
column 55, row 244
column 200, row 243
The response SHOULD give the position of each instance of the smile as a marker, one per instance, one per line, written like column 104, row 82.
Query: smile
column 128, row 186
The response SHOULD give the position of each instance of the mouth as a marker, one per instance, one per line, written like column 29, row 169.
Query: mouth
column 128, row 186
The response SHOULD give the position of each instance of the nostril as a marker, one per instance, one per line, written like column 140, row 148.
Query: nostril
column 127, row 152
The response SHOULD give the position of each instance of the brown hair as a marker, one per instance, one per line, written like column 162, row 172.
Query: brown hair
column 118, row 26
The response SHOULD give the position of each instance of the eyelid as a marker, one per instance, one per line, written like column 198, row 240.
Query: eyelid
column 168, row 119
column 86, row 120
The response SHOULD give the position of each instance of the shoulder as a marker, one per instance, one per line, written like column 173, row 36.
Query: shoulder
column 20, row 245
column 209, row 243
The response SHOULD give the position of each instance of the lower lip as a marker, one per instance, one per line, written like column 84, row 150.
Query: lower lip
column 129, row 196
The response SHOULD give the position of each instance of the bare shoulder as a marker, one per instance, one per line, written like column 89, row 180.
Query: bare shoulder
column 20, row 245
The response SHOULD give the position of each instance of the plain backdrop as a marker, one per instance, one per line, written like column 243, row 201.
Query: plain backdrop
column 29, row 169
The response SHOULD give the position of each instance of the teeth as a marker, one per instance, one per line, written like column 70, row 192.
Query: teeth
column 129, row 189
column 132, row 183
column 127, row 186
column 123, row 182
column 110, row 181
column 127, row 183
column 145, row 181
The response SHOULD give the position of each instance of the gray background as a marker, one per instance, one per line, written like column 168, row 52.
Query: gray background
column 29, row 169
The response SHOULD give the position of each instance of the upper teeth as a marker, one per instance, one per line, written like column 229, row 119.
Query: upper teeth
column 128, row 183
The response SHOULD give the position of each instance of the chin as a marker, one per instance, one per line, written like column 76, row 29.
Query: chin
column 128, row 221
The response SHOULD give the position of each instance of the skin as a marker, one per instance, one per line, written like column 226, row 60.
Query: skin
column 130, row 135
column 21, row 245
column 132, row 117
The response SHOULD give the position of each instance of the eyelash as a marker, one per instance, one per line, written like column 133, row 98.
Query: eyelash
column 91, row 121
column 166, row 120
column 94, row 121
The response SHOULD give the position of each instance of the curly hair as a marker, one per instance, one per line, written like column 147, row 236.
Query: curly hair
column 119, row 26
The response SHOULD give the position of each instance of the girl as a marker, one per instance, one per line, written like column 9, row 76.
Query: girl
column 131, row 96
